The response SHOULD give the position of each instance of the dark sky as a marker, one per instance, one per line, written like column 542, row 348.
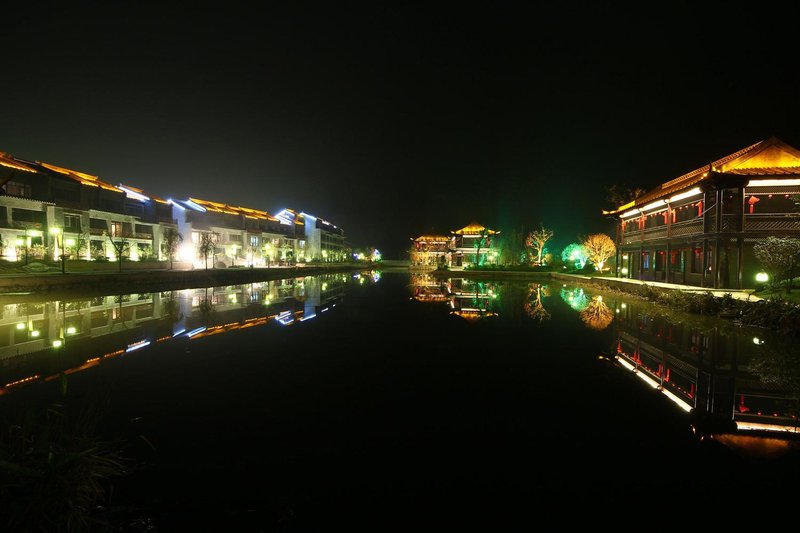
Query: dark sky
column 392, row 121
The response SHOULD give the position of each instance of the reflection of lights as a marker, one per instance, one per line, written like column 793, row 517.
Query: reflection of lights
column 322, row 311
column 195, row 332
column 182, row 330
column 309, row 317
column 680, row 403
column 136, row 346
column 756, row 426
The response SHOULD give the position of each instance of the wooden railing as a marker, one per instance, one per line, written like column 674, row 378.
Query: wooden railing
column 772, row 222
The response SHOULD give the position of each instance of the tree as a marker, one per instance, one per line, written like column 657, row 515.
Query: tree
column 537, row 240
column 479, row 243
column 619, row 195
column 575, row 254
column 599, row 247
column 535, row 308
column 121, row 247
column 171, row 240
column 511, row 247
column 780, row 257
column 597, row 315
column 207, row 245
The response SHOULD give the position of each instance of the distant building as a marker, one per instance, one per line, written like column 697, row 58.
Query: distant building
column 431, row 251
column 700, row 228
column 474, row 245
column 471, row 245
column 47, row 211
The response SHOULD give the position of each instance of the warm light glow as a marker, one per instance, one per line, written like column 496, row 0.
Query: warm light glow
column 55, row 231
column 687, row 194
column 21, row 325
column 679, row 402
column 35, row 333
column 657, row 203
column 71, row 330
column 756, row 426
column 70, row 242
column 624, row 270
column 762, row 277
column 772, row 183
column 57, row 343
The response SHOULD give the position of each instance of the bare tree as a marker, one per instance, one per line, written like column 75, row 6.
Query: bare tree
column 208, row 245
column 172, row 239
column 536, row 241
column 619, row 195
column 121, row 247
column 599, row 247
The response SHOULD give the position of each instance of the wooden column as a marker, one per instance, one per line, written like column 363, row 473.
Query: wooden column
column 739, row 261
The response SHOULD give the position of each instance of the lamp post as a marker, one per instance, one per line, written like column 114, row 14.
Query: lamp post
column 59, row 240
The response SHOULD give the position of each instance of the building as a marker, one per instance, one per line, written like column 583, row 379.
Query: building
column 47, row 211
column 474, row 245
column 431, row 251
column 700, row 228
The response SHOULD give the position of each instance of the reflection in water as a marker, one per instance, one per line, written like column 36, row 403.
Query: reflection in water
column 534, row 307
column 710, row 367
column 45, row 340
column 730, row 378
column 597, row 315
column 576, row 298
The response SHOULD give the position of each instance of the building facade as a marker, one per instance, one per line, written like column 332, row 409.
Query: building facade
column 47, row 212
column 700, row 228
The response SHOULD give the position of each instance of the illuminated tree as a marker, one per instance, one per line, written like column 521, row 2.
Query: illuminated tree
column 121, row 249
column 575, row 298
column 599, row 247
column 780, row 257
column 207, row 245
column 511, row 247
column 171, row 240
column 597, row 315
column 575, row 254
column 481, row 242
column 536, row 242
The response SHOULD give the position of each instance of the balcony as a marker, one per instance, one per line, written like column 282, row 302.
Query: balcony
column 97, row 231
column 772, row 222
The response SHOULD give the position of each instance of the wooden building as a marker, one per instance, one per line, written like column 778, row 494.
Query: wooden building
column 699, row 228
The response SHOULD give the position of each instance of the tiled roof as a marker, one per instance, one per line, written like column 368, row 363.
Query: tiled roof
column 81, row 177
column 474, row 229
column 8, row 161
column 233, row 210
column 768, row 157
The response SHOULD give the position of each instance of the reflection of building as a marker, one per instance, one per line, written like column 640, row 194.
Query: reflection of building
column 426, row 288
column 471, row 299
column 41, row 339
column 704, row 370
column 699, row 228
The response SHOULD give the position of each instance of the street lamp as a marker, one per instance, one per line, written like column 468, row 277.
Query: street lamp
column 59, row 240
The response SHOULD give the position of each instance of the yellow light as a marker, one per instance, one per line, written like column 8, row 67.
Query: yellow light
column 624, row 270
column 21, row 325
column 57, row 343
column 70, row 242
column 55, row 231
column 19, row 242
column 35, row 333
column 762, row 277
column 71, row 330
column 679, row 402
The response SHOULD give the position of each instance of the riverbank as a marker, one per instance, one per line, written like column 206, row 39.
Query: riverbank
column 146, row 281
column 492, row 275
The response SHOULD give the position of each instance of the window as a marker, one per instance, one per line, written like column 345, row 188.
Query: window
column 254, row 241
column 72, row 223
column 14, row 188
column 116, row 229
column 697, row 260
column 645, row 260
column 660, row 257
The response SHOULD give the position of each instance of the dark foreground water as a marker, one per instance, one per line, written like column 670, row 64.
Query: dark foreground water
column 349, row 400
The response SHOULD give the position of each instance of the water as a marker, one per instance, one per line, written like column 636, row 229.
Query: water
column 365, row 399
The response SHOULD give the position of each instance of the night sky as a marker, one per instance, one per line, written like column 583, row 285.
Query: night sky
column 393, row 121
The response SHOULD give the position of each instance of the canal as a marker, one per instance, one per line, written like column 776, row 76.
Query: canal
column 391, row 398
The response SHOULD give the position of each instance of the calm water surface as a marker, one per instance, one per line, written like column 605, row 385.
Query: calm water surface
column 395, row 399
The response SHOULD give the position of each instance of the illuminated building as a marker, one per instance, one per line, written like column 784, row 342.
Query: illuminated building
column 474, row 245
column 48, row 211
column 699, row 228
column 431, row 251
